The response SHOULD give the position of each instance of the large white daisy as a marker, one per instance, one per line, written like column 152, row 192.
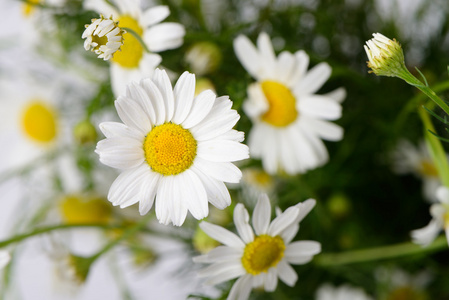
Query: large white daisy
column 133, row 63
column 289, row 119
column 172, row 146
column 440, row 220
column 261, row 256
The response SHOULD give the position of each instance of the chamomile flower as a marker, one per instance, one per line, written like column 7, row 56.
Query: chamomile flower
column 258, row 258
column 173, row 148
column 289, row 119
column 440, row 220
column 133, row 62
column 408, row 158
column 104, row 37
column 344, row 292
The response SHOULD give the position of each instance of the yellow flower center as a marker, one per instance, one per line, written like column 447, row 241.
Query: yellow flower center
column 406, row 293
column 103, row 40
column 282, row 104
column 427, row 168
column 29, row 7
column 169, row 149
column 131, row 50
column 39, row 121
column 85, row 210
column 263, row 253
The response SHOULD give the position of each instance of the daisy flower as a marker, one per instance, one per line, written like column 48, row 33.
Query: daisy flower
column 172, row 147
column 416, row 160
column 289, row 119
column 133, row 62
column 258, row 258
column 440, row 220
column 344, row 292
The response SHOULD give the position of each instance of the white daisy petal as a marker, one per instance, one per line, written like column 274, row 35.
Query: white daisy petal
column 271, row 280
column 247, row 55
column 217, row 193
column 193, row 194
column 262, row 215
column 202, row 104
column 338, row 95
column 222, row 235
column 163, row 198
column 177, row 204
column 302, row 61
column 286, row 273
column 319, row 107
column 281, row 222
column 221, row 253
column 241, row 289
column 120, row 152
column 314, row 79
column 221, row 271
column 222, row 150
column 155, row 15
column 132, row 115
column 266, row 51
column 300, row 252
column 155, row 107
column 426, row 235
column 164, row 36
column 442, row 194
column 5, row 257
column 115, row 129
column 222, row 171
column 286, row 66
column 126, row 189
column 161, row 80
column 149, row 189
column 326, row 130
column 183, row 93
column 241, row 221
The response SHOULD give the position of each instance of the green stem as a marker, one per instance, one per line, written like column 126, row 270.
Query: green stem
column 379, row 253
column 412, row 80
column 138, row 37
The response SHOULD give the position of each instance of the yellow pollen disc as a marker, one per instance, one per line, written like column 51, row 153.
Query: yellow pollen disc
column 169, row 149
column 29, row 7
column 427, row 168
column 131, row 50
column 76, row 209
column 263, row 253
column 282, row 104
column 99, row 40
column 39, row 121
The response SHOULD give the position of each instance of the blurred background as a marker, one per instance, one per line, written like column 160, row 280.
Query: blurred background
column 370, row 193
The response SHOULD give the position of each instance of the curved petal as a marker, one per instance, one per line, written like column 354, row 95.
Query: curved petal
column 120, row 152
column 286, row 273
column 217, row 192
column 262, row 215
column 313, row 80
column 202, row 104
column 241, row 219
column 155, row 104
column 149, row 190
column 154, row 15
column 115, row 129
column 271, row 280
column 241, row 288
column 302, row 251
column 164, row 195
column 319, row 107
column 164, row 36
column 221, row 272
column 193, row 194
column 222, row 150
column 220, row 253
column 223, row 171
column 161, row 80
column 126, row 188
column 138, row 94
column 132, row 114
column 183, row 92
column 248, row 55
column 280, row 223
column 222, row 235
column 426, row 235
column 302, row 63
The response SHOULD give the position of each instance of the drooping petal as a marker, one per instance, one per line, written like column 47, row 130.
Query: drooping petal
column 241, row 221
column 262, row 215
column 222, row 235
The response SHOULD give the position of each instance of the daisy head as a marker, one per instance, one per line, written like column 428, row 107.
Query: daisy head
column 133, row 61
column 172, row 147
column 440, row 220
column 289, row 119
column 104, row 37
column 258, row 257
column 385, row 56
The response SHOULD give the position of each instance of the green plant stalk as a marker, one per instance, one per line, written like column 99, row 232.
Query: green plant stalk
column 412, row 80
column 379, row 253
column 436, row 148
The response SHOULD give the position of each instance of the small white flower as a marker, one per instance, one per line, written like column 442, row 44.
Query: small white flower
column 172, row 146
column 416, row 160
column 133, row 62
column 440, row 220
column 5, row 257
column 344, row 292
column 289, row 119
column 258, row 258
column 104, row 37
column 385, row 56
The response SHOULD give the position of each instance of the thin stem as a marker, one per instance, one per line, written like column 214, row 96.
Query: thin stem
column 379, row 253
column 138, row 37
